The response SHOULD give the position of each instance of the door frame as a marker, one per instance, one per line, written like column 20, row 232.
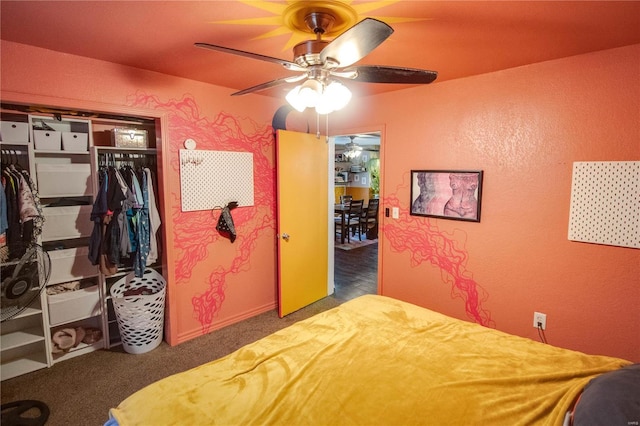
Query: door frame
column 332, row 151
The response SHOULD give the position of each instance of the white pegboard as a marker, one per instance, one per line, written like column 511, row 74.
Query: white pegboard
column 211, row 179
column 605, row 203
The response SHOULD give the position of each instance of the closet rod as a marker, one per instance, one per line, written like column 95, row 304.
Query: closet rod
column 14, row 151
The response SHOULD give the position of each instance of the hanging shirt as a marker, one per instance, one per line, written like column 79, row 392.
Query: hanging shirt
column 154, row 221
column 4, row 222
column 140, row 260
column 97, row 214
column 127, row 204
column 38, row 219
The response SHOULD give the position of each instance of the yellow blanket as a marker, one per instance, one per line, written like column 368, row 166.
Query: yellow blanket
column 374, row 360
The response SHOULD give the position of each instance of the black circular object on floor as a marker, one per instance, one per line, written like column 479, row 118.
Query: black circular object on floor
column 12, row 413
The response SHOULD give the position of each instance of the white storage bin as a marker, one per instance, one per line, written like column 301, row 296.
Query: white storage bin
column 140, row 317
column 47, row 140
column 74, row 305
column 74, row 141
column 66, row 222
column 14, row 131
column 71, row 264
column 60, row 180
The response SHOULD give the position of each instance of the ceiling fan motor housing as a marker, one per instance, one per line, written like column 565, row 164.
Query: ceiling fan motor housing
column 307, row 53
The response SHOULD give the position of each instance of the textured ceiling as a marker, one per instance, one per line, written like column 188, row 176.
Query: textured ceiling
column 455, row 38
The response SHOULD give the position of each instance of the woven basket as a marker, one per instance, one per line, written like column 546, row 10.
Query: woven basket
column 140, row 317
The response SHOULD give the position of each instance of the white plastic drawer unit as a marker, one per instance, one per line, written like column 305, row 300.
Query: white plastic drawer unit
column 63, row 223
column 70, row 264
column 13, row 131
column 74, row 305
column 75, row 142
column 64, row 180
column 47, row 140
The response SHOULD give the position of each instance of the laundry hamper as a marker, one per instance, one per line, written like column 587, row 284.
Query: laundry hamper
column 140, row 316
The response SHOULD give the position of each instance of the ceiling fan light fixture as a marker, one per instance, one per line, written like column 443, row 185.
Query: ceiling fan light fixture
column 352, row 154
column 294, row 99
column 338, row 94
column 310, row 92
column 352, row 149
column 316, row 94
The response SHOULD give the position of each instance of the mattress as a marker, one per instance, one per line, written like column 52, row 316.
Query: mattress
column 374, row 360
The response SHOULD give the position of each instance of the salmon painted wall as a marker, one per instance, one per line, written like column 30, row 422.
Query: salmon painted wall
column 211, row 282
column 524, row 127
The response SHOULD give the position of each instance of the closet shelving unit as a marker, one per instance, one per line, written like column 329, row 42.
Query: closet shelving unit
column 23, row 346
column 65, row 184
column 25, row 340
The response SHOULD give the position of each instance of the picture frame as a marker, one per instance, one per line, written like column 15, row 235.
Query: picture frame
column 447, row 194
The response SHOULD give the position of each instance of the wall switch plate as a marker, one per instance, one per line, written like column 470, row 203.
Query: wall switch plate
column 540, row 318
column 395, row 212
column 386, row 212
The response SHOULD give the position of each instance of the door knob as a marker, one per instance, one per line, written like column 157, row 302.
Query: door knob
column 285, row 236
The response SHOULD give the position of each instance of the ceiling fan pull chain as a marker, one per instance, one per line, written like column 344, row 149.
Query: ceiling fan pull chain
column 326, row 138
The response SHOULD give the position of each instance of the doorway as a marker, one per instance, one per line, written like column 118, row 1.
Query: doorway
column 356, row 174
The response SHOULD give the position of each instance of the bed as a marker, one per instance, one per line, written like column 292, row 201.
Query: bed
column 375, row 360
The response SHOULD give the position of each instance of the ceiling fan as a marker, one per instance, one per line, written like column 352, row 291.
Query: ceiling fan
column 322, row 64
column 352, row 149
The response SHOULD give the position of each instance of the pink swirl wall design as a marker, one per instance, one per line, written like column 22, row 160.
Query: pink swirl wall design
column 426, row 243
column 194, row 232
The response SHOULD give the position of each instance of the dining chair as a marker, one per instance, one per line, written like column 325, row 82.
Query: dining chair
column 344, row 199
column 351, row 220
column 369, row 219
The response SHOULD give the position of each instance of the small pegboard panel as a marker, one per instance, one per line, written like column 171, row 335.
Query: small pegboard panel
column 211, row 179
column 605, row 203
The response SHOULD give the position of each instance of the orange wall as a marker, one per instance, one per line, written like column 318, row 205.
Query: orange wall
column 211, row 282
column 524, row 127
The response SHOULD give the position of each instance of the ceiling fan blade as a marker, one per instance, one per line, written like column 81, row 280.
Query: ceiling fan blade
column 287, row 64
column 357, row 42
column 265, row 86
column 399, row 75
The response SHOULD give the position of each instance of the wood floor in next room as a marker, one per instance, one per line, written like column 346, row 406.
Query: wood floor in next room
column 356, row 272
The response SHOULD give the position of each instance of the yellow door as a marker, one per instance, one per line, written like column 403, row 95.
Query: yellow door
column 302, row 202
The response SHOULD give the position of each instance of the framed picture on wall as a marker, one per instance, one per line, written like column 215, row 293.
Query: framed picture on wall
column 447, row 194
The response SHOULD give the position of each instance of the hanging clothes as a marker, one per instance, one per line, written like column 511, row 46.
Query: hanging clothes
column 115, row 197
column 21, row 211
column 127, row 204
column 154, row 220
column 38, row 217
column 140, row 261
column 126, row 220
column 98, row 212
column 4, row 223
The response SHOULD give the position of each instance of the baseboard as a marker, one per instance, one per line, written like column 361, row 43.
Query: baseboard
column 192, row 334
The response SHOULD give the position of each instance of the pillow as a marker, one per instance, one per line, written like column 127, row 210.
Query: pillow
column 612, row 398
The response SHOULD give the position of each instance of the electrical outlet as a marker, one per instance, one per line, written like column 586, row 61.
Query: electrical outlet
column 395, row 212
column 540, row 318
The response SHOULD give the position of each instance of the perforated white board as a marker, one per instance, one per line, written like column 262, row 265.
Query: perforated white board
column 605, row 203
column 211, row 179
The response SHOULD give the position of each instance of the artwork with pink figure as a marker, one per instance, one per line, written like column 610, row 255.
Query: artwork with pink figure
column 446, row 194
